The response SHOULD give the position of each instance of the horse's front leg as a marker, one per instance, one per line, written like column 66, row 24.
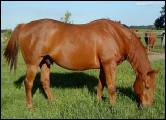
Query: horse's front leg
column 110, row 80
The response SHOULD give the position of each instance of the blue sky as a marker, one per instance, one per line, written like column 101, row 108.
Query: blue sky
column 128, row 12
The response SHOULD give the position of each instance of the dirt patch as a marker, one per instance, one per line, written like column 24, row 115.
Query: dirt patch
column 156, row 56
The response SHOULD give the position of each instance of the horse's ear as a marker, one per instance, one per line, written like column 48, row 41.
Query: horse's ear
column 150, row 78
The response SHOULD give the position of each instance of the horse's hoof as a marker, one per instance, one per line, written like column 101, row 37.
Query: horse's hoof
column 29, row 106
column 112, row 103
column 99, row 99
column 113, row 100
column 51, row 99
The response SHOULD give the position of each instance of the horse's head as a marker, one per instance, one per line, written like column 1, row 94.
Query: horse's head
column 144, row 88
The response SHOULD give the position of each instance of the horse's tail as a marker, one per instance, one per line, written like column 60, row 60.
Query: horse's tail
column 11, row 50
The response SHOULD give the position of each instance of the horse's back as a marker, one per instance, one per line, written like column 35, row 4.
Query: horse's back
column 72, row 46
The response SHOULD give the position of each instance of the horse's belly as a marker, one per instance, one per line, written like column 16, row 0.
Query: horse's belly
column 77, row 61
column 78, row 66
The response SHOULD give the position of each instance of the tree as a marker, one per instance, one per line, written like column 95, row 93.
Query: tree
column 163, row 11
column 160, row 22
column 163, row 15
column 66, row 17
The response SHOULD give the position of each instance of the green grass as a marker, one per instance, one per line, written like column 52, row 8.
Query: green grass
column 75, row 94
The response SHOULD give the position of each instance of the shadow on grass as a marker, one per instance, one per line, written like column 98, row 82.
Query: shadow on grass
column 124, row 92
column 73, row 80
column 63, row 80
column 127, row 92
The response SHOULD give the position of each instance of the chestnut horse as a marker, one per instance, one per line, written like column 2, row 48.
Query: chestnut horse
column 101, row 44
column 150, row 39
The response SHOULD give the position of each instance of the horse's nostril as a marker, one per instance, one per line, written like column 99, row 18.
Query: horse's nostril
column 147, row 87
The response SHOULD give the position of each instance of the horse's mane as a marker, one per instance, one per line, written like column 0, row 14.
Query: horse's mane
column 137, row 55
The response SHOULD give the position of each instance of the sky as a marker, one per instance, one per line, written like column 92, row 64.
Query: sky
column 128, row 12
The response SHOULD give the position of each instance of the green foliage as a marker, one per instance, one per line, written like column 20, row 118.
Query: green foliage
column 163, row 12
column 5, row 36
column 160, row 22
column 66, row 17
column 142, row 27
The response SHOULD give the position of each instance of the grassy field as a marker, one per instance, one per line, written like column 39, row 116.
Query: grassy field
column 75, row 94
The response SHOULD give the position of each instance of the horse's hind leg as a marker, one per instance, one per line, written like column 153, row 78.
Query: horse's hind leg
column 45, row 80
column 30, row 76
column 101, row 84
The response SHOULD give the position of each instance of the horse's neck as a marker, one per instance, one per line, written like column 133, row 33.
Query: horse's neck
column 138, row 58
